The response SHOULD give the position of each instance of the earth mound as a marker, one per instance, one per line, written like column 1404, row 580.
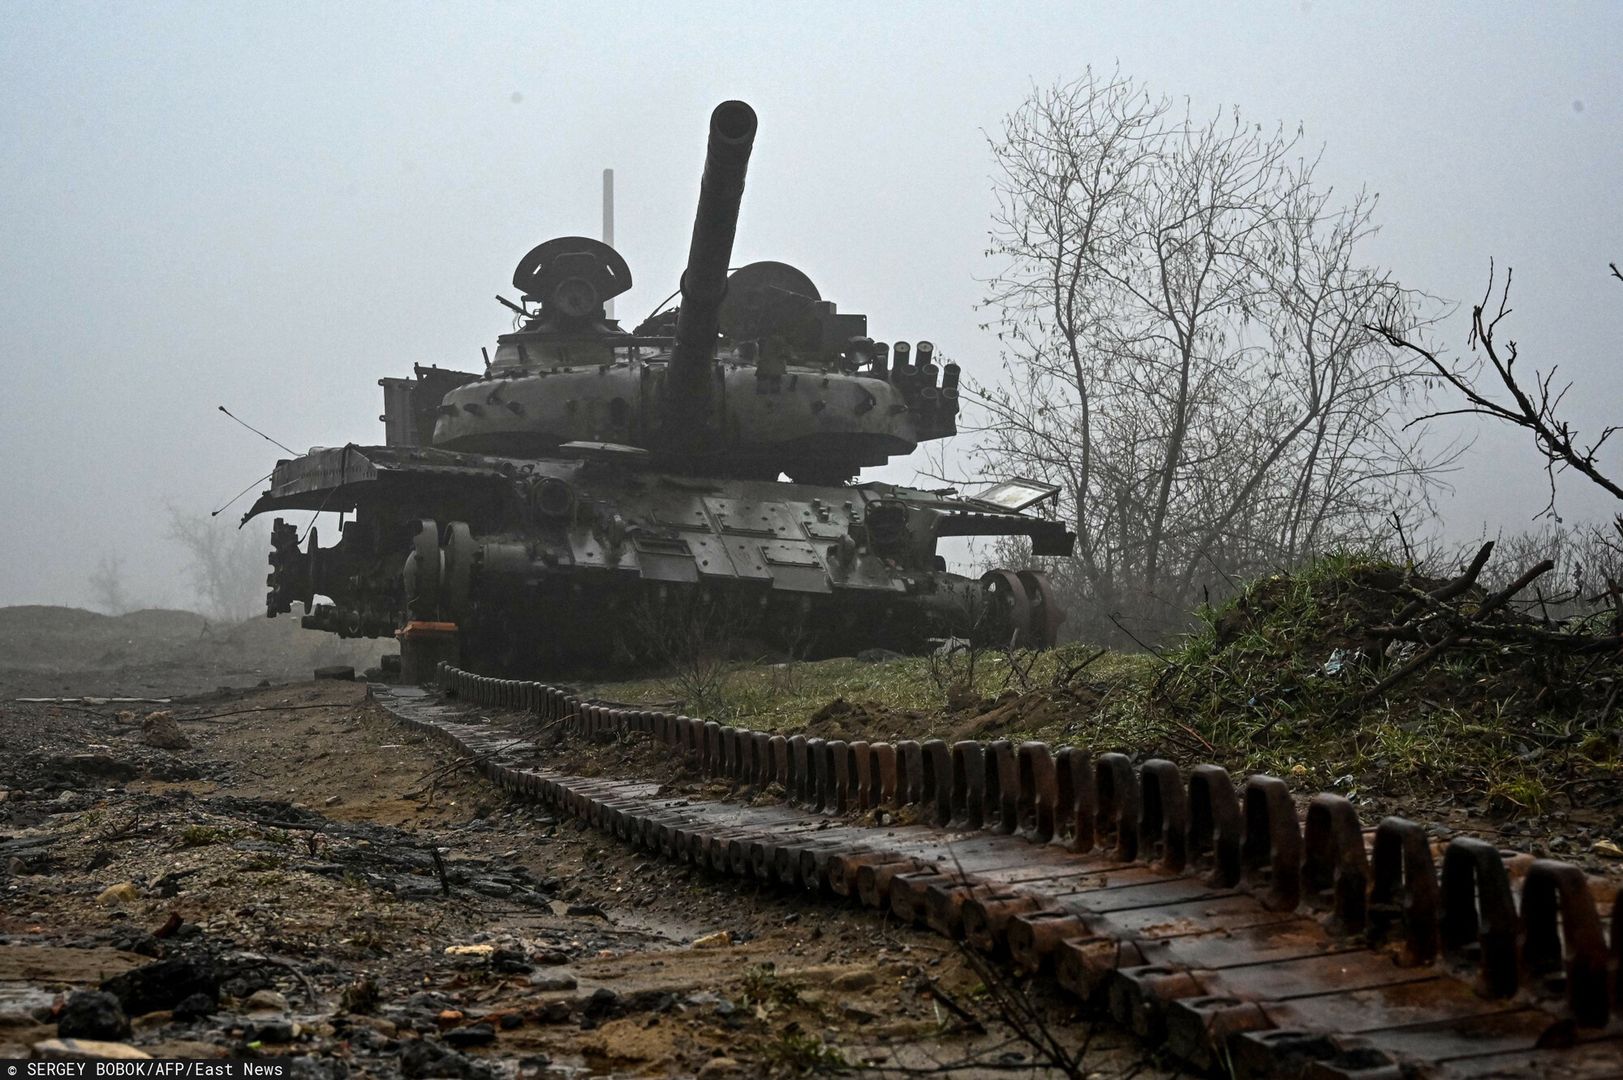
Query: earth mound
column 49, row 651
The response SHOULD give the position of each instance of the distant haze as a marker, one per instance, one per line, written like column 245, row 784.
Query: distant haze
column 270, row 207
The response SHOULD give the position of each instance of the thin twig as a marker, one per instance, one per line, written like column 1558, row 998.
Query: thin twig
column 950, row 1003
column 1064, row 679
column 1159, row 655
column 440, row 772
column 304, row 980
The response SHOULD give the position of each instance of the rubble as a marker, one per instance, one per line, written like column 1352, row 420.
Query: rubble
column 164, row 984
column 426, row 1058
column 93, row 1014
column 159, row 729
column 266, row 1001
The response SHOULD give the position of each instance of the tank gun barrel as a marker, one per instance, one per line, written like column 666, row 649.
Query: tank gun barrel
column 704, row 281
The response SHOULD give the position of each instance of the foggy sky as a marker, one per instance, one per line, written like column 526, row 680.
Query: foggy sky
column 272, row 206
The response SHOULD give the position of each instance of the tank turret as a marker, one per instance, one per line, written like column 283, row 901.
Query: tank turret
column 753, row 375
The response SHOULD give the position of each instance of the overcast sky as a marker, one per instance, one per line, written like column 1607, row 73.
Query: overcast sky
column 271, row 206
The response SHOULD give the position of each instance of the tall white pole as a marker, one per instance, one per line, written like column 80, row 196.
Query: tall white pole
column 608, row 223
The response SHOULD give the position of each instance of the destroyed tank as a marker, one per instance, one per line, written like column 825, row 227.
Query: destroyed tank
column 592, row 485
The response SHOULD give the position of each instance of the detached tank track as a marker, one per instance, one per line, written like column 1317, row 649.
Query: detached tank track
column 1217, row 921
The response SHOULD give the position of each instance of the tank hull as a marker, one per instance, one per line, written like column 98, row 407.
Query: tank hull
column 559, row 562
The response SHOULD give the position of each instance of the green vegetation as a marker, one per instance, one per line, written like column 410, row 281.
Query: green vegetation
column 203, row 835
column 1282, row 679
column 761, row 986
column 797, row 1053
column 780, row 697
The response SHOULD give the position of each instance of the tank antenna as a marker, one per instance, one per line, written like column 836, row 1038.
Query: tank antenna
column 608, row 225
column 240, row 494
column 256, row 431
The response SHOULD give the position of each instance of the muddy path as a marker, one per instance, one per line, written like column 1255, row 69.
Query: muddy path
column 285, row 871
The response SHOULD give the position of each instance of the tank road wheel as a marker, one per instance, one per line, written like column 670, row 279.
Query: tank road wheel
column 1046, row 613
column 291, row 574
column 422, row 573
column 1008, row 608
column 458, row 563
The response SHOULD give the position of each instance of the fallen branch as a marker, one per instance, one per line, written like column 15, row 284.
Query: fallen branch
column 433, row 777
column 304, row 980
column 1529, row 635
column 1451, row 589
column 439, row 871
column 1197, row 736
column 131, row 827
column 950, row 1003
column 1070, row 673
column 264, row 709
column 1431, row 652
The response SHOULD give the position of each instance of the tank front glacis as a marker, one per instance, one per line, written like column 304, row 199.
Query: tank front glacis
column 591, row 478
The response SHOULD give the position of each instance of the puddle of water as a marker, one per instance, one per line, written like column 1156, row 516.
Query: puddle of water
column 19, row 1002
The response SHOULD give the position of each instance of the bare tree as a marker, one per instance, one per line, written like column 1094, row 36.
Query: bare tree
column 1589, row 559
column 1533, row 406
column 227, row 565
column 1184, row 317
column 107, row 589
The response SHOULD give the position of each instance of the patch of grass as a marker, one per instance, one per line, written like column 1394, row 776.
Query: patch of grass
column 1278, row 680
column 798, row 1053
column 1526, row 793
column 780, row 697
column 761, row 986
column 193, row 836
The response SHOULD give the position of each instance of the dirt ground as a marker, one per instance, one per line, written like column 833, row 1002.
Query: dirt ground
column 288, row 872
